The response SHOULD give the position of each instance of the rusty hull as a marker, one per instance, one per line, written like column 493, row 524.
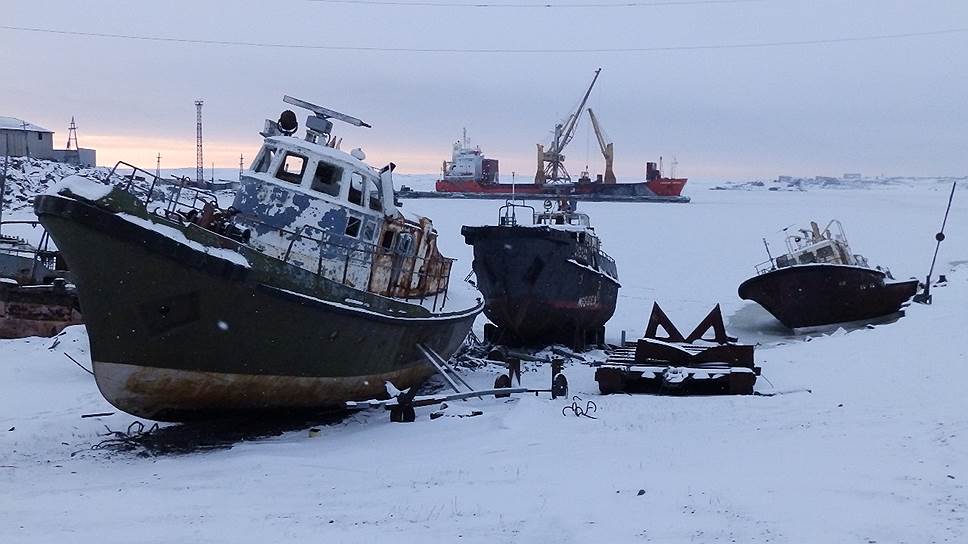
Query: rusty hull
column 152, row 392
column 177, row 333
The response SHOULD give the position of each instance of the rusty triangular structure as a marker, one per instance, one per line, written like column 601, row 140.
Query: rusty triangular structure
column 714, row 321
column 659, row 318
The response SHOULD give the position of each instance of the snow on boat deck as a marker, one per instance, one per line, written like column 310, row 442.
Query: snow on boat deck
column 878, row 452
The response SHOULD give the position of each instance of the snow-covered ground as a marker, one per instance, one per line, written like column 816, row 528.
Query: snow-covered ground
column 877, row 451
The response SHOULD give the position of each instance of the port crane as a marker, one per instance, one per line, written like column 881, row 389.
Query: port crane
column 551, row 163
column 606, row 146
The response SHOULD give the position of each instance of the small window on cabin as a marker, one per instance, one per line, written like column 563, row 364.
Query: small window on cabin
column 404, row 243
column 353, row 227
column 825, row 254
column 292, row 168
column 376, row 201
column 369, row 231
column 327, row 178
column 262, row 162
column 387, row 241
column 40, row 136
column 356, row 189
column 808, row 258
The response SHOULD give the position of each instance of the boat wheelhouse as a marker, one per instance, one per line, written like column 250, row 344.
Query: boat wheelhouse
column 808, row 246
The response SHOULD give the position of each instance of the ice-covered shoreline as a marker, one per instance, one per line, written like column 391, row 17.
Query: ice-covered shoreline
column 877, row 451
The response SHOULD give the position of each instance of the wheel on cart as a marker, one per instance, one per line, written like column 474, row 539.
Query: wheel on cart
column 502, row 382
column 609, row 381
column 559, row 386
column 402, row 414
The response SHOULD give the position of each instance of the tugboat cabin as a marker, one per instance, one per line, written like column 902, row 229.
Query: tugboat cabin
column 810, row 246
column 308, row 203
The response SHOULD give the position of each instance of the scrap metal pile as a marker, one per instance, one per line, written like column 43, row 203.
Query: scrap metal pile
column 680, row 364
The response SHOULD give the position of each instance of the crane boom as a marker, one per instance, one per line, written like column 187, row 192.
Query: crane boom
column 598, row 130
column 569, row 129
column 608, row 150
column 551, row 163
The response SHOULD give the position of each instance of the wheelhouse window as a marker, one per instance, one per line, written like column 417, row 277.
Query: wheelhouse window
column 369, row 231
column 376, row 196
column 387, row 241
column 292, row 168
column 327, row 178
column 356, row 189
column 353, row 227
column 263, row 160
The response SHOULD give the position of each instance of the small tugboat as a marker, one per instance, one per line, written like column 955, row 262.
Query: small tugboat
column 546, row 280
column 313, row 289
column 36, row 298
column 819, row 281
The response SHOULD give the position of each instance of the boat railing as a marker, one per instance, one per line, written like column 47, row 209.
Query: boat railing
column 389, row 272
column 508, row 214
column 179, row 201
column 408, row 277
column 765, row 266
column 607, row 263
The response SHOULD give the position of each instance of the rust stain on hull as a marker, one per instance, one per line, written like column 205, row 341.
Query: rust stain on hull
column 175, row 395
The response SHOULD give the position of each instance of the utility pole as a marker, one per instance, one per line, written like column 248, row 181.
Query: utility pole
column 158, row 167
column 3, row 180
column 199, row 163
column 241, row 168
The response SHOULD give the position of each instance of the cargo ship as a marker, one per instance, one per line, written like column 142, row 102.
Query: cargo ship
column 469, row 174
column 819, row 281
column 544, row 276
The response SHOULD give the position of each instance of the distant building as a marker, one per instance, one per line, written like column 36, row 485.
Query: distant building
column 19, row 138
column 853, row 176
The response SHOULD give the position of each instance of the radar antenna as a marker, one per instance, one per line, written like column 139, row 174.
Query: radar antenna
column 319, row 127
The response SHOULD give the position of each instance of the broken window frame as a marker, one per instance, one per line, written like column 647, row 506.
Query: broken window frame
column 357, row 179
column 354, row 225
column 335, row 182
column 263, row 161
column 292, row 177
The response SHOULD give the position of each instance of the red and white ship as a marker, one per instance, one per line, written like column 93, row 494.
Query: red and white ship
column 470, row 174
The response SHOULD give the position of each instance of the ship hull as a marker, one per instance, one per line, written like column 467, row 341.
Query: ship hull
column 178, row 334
column 660, row 187
column 535, row 291
column 825, row 294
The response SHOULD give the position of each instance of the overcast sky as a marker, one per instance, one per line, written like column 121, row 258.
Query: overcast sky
column 888, row 106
